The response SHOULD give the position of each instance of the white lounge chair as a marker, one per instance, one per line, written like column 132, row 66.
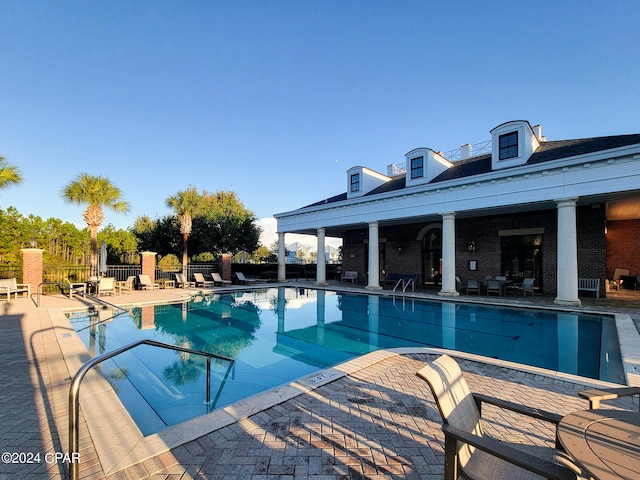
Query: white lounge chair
column 199, row 278
column 244, row 280
column 182, row 282
column 219, row 281
column 146, row 284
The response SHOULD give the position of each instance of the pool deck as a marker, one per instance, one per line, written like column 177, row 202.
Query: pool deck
column 367, row 418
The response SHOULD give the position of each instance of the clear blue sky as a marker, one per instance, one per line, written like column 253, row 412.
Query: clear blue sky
column 275, row 100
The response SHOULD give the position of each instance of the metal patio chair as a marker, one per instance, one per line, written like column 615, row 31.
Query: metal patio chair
column 472, row 454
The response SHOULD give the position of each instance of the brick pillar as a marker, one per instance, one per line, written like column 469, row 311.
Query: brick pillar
column 32, row 267
column 148, row 260
column 224, row 265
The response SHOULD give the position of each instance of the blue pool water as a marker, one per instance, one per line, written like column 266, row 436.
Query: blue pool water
column 277, row 335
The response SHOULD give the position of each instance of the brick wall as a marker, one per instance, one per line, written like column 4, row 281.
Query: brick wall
column 622, row 246
column 403, row 253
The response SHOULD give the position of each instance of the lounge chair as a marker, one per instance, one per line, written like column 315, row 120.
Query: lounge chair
column 106, row 286
column 10, row 285
column 182, row 282
column 469, row 452
column 199, row 278
column 126, row 285
column 217, row 279
column 79, row 288
column 146, row 284
column 616, row 283
column 244, row 280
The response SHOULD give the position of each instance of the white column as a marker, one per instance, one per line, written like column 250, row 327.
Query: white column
column 374, row 258
column 282, row 268
column 567, row 261
column 321, row 263
column 448, row 255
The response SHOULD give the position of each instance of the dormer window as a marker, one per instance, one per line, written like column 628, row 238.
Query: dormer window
column 355, row 183
column 417, row 167
column 508, row 145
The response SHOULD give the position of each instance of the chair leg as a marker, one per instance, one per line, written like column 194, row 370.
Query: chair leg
column 450, row 458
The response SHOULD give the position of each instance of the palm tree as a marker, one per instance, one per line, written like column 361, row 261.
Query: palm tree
column 96, row 192
column 186, row 204
column 9, row 174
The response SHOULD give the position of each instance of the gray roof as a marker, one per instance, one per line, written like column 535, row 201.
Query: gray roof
column 546, row 152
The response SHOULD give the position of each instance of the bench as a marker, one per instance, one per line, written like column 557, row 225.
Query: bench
column 589, row 285
column 10, row 285
column 349, row 275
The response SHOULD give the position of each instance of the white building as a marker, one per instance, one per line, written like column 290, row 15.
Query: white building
column 525, row 207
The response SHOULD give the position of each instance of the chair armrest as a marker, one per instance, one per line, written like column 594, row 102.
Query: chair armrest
column 512, row 455
column 514, row 407
column 596, row 395
column 28, row 285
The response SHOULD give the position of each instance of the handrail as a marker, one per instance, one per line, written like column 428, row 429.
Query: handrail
column 60, row 284
column 74, row 389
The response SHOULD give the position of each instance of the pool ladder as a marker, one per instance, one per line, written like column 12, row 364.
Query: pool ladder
column 404, row 283
column 74, row 390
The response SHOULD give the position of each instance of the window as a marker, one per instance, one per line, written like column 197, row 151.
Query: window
column 355, row 182
column 508, row 145
column 417, row 167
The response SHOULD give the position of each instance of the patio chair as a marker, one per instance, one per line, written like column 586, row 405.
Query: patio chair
column 493, row 286
column 199, row 278
column 473, row 286
column 126, row 285
column 526, row 287
column 596, row 395
column 472, row 454
column 106, row 286
column 217, row 279
column 146, row 284
column 78, row 288
column 244, row 280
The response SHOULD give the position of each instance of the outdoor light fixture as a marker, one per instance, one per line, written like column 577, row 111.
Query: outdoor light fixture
column 33, row 242
column 471, row 246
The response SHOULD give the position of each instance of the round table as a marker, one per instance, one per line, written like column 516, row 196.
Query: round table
column 605, row 442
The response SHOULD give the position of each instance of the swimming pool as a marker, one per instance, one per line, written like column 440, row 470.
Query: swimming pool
column 277, row 335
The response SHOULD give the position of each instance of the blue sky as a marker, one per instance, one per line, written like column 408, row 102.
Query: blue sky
column 275, row 100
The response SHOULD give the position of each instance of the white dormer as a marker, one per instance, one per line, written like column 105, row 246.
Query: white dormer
column 513, row 143
column 361, row 180
column 423, row 165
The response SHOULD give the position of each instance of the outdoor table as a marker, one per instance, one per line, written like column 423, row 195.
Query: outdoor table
column 606, row 443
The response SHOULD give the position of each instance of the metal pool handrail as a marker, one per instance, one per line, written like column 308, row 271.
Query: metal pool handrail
column 74, row 390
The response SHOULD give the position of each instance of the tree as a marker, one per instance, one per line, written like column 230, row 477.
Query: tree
column 185, row 204
column 96, row 192
column 9, row 174
column 227, row 225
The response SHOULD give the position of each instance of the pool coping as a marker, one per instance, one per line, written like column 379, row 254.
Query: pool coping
column 120, row 444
